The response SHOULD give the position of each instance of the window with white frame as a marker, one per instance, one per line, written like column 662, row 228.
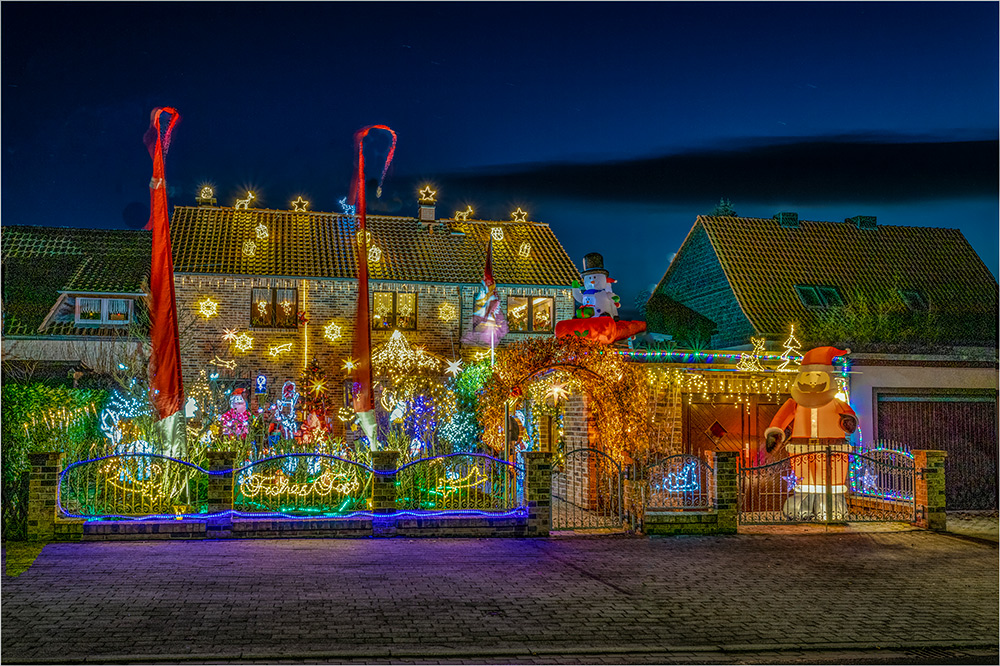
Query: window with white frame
column 99, row 311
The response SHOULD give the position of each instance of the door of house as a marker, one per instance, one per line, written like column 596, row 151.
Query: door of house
column 723, row 424
column 962, row 423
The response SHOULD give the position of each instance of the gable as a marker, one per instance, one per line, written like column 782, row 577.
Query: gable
column 696, row 279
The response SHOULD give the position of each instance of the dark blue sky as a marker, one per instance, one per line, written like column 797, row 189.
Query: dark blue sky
column 615, row 123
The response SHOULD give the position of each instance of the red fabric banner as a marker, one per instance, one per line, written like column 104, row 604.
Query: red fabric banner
column 363, row 395
column 167, row 391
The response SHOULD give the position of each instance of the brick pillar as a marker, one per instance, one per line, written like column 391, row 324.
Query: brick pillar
column 928, row 489
column 384, row 492
column 538, row 491
column 727, row 498
column 45, row 469
column 220, row 486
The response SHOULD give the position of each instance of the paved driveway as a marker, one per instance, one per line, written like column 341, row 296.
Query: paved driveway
column 603, row 599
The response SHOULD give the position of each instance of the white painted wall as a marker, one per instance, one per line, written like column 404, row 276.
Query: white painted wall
column 865, row 378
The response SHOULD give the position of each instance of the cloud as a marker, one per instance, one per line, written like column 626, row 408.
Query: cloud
column 812, row 171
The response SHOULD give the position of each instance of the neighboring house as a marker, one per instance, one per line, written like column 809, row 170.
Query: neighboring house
column 917, row 306
column 72, row 298
column 282, row 286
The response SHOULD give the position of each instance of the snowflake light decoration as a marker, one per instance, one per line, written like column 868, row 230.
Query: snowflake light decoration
column 244, row 342
column 208, row 308
column 447, row 312
column 332, row 332
column 249, row 249
column 262, row 233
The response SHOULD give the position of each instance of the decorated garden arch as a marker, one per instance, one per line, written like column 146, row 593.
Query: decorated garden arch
column 540, row 369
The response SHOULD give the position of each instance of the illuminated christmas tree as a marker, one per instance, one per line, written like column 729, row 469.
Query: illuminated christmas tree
column 791, row 349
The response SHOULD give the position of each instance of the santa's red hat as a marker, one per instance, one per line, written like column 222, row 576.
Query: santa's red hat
column 823, row 355
column 237, row 393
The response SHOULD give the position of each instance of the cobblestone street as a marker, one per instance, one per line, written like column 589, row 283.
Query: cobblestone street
column 764, row 596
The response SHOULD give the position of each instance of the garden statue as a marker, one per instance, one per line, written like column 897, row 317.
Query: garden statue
column 812, row 422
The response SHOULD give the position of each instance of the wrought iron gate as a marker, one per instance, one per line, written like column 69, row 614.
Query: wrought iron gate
column 829, row 486
column 587, row 492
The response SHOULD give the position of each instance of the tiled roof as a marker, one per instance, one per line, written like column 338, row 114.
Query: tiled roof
column 39, row 262
column 208, row 239
column 763, row 262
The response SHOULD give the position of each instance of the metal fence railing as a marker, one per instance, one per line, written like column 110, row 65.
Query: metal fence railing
column 132, row 484
column 458, row 481
column 680, row 482
column 302, row 483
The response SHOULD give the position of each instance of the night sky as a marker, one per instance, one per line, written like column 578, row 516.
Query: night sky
column 615, row 123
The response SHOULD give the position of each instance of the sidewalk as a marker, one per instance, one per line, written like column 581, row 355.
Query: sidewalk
column 852, row 596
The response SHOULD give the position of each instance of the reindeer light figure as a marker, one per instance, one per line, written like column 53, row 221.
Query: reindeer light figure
column 244, row 204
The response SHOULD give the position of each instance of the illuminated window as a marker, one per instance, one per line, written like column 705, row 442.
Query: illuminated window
column 394, row 310
column 915, row 300
column 93, row 311
column 274, row 307
column 818, row 296
column 530, row 314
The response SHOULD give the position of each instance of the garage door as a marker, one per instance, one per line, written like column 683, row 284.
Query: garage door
column 963, row 424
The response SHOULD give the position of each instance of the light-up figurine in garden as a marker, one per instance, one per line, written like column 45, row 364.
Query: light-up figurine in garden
column 236, row 420
column 810, row 422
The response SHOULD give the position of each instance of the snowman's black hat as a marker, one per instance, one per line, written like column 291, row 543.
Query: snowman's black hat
column 593, row 263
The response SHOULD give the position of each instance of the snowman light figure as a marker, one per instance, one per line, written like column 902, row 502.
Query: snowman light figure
column 595, row 295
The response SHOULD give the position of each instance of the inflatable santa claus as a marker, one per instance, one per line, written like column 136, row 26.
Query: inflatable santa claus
column 811, row 423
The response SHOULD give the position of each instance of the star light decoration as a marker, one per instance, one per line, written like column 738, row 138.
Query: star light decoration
column 463, row 215
column 208, row 308
column 275, row 350
column 243, row 342
column 427, row 195
column 519, row 215
column 350, row 364
column 497, row 233
column 558, row 391
column 332, row 332
column 229, row 335
column 300, row 204
column 261, row 230
column 454, row 367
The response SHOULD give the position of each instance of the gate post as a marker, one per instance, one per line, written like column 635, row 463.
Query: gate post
column 42, row 483
column 538, row 491
column 727, row 496
column 220, row 492
column 928, row 489
column 384, row 492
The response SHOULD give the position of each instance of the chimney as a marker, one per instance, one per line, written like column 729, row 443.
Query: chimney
column 787, row 220
column 865, row 222
column 427, row 213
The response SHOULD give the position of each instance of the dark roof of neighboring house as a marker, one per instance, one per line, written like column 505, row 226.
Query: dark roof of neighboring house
column 763, row 262
column 209, row 239
column 40, row 262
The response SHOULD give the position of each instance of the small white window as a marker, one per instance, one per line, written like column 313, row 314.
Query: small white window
column 92, row 311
